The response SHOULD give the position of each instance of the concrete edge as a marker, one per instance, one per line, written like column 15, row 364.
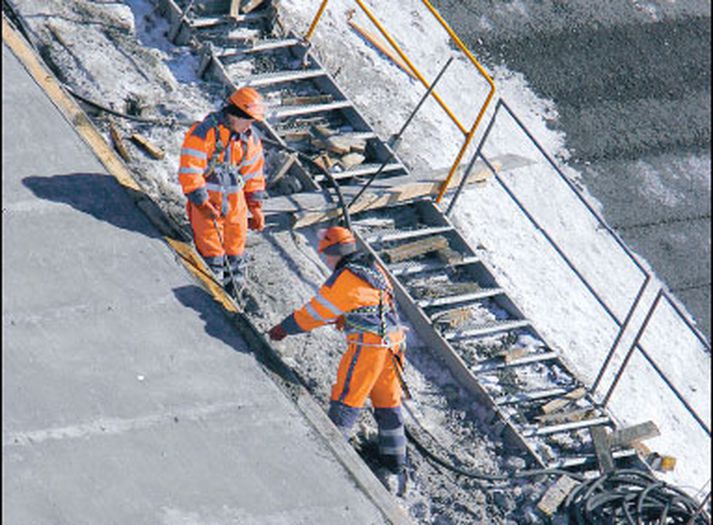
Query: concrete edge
column 288, row 382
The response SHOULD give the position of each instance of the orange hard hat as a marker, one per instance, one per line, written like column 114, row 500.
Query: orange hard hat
column 250, row 101
column 336, row 241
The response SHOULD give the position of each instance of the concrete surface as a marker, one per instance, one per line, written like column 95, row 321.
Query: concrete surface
column 631, row 83
column 127, row 396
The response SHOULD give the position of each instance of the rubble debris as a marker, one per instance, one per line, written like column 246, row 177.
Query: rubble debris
column 286, row 160
column 415, row 249
column 351, row 160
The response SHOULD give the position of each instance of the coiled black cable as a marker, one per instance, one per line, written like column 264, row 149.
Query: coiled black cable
column 633, row 497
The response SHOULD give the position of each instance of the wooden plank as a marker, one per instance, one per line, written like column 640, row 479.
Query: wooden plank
column 564, row 401
column 574, row 415
column 118, row 142
column 625, row 437
column 602, row 450
column 251, row 5
column 284, row 168
column 415, row 249
column 556, row 494
column 234, row 8
column 383, row 48
column 146, row 144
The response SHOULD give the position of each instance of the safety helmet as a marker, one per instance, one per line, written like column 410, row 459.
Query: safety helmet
column 249, row 100
column 336, row 241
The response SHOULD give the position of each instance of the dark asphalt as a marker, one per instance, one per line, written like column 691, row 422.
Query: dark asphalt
column 631, row 81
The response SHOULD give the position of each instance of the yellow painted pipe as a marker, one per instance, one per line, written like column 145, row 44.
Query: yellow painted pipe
column 469, row 134
column 319, row 14
column 406, row 59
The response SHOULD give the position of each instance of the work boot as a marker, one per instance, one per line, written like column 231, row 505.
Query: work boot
column 397, row 483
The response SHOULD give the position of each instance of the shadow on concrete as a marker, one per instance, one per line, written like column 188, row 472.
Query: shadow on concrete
column 217, row 325
column 98, row 195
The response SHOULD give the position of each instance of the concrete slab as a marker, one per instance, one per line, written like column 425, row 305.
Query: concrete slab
column 128, row 397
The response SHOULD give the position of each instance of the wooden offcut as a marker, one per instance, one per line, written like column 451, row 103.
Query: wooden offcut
column 156, row 152
column 415, row 249
column 449, row 256
column 306, row 100
column 250, row 5
column 118, row 142
column 556, row 494
column 454, row 318
column 283, row 169
column 567, row 417
column 602, row 449
column 625, row 437
column 558, row 404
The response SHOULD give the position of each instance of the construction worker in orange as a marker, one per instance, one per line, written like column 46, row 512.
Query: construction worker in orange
column 358, row 299
column 221, row 173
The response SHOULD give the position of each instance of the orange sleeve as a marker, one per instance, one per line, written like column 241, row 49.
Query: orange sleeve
column 195, row 154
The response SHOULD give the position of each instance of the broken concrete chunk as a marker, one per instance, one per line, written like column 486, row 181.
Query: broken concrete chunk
column 351, row 160
column 556, row 494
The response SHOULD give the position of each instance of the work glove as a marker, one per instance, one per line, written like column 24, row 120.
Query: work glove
column 257, row 220
column 208, row 210
column 277, row 333
column 340, row 323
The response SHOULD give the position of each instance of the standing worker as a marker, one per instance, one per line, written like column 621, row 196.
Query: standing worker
column 358, row 299
column 221, row 173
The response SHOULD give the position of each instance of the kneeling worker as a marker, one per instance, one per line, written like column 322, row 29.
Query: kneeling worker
column 358, row 298
column 221, row 173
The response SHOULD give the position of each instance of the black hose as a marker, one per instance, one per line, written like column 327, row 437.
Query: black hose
column 310, row 161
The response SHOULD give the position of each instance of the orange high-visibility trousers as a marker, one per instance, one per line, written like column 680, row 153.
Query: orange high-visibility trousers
column 367, row 370
column 233, row 227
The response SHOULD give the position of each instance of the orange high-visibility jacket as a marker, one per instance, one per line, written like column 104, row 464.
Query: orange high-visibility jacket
column 237, row 164
column 358, row 292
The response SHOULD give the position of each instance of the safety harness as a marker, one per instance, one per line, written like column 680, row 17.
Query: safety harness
column 363, row 267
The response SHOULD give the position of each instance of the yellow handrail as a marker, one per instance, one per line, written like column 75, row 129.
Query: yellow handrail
column 469, row 134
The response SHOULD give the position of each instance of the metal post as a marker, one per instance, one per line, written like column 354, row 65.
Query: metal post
column 475, row 157
column 623, row 366
column 397, row 137
column 622, row 329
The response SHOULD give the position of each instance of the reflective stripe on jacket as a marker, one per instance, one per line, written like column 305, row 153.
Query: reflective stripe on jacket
column 359, row 291
column 237, row 162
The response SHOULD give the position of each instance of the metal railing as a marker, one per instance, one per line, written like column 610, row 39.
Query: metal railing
column 635, row 345
column 647, row 278
column 469, row 133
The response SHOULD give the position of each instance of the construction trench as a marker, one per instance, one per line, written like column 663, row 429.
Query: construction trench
column 492, row 404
